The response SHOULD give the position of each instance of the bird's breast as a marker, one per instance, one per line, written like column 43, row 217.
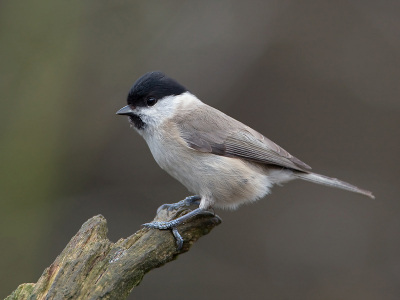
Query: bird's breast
column 227, row 181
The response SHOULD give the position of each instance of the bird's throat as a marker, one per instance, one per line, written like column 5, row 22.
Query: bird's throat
column 137, row 121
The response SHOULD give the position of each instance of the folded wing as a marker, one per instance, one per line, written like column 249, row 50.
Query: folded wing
column 209, row 130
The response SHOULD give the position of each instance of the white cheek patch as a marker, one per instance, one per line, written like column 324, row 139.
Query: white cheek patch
column 165, row 108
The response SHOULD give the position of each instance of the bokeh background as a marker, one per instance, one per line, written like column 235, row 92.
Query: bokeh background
column 320, row 78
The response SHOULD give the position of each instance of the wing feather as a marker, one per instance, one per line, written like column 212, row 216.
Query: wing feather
column 209, row 130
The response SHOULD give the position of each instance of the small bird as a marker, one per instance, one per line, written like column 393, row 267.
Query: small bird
column 223, row 161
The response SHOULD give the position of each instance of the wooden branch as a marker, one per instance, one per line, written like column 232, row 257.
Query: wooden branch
column 92, row 267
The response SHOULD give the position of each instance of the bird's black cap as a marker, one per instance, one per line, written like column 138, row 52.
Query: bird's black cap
column 153, row 85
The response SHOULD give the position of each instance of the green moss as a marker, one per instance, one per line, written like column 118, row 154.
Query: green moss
column 22, row 292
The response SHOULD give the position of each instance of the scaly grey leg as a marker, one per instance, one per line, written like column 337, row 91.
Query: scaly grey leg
column 188, row 201
column 174, row 223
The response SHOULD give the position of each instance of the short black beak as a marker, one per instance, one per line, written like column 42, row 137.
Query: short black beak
column 126, row 110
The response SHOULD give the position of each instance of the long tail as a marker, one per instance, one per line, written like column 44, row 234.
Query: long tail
column 321, row 179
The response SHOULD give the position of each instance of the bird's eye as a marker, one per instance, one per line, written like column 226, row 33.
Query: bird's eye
column 151, row 101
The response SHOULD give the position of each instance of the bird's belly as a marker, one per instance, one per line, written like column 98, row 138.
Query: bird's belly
column 225, row 182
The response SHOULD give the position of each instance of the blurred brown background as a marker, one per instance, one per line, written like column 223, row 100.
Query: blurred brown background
column 320, row 78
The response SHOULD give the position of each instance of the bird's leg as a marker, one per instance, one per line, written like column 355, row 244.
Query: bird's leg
column 193, row 200
column 188, row 201
column 173, row 224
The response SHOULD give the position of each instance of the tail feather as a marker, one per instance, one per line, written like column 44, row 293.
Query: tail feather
column 334, row 182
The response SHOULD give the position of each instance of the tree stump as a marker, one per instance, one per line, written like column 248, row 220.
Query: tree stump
column 92, row 267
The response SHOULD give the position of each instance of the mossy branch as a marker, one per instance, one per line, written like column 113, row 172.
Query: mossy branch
column 92, row 267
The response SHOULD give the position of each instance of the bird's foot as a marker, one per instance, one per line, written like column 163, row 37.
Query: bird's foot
column 187, row 202
column 174, row 223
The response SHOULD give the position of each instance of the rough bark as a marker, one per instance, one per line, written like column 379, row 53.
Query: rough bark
column 92, row 267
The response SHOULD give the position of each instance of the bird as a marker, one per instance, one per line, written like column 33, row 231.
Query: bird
column 224, row 162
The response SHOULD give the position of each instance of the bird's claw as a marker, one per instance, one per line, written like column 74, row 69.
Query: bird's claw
column 172, row 225
column 188, row 201
column 167, row 225
column 161, row 225
column 178, row 237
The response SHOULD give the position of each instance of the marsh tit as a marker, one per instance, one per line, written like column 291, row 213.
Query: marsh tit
column 223, row 161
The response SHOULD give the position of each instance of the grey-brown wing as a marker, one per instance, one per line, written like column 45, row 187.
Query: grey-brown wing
column 214, row 132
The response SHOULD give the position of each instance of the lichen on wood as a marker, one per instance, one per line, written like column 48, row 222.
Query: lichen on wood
column 92, row 267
